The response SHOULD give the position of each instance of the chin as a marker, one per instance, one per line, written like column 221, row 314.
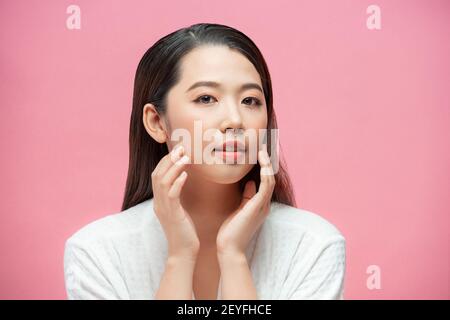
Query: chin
column 225, row 174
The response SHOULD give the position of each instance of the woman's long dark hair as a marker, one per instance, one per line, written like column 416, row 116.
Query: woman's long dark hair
column 157, row 72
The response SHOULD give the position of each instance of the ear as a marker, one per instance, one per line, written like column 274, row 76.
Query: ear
column 154, row 124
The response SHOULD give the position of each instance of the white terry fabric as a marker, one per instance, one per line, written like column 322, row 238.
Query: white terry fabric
column 295, row 254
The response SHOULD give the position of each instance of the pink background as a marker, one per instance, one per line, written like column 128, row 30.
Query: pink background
column 363, row 115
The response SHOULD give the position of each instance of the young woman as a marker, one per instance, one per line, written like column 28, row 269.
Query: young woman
column 192, row 229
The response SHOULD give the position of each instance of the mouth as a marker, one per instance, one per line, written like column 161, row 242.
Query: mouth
column 233, row 150
column 233, row 155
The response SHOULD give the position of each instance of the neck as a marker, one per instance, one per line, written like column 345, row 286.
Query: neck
column 209, row 204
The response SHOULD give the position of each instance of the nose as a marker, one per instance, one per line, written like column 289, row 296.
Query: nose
column 232, row 119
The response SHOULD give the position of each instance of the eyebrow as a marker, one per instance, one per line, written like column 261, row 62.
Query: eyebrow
column 213, row 84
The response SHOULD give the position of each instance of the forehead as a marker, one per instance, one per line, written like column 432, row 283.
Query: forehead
column 217, row 63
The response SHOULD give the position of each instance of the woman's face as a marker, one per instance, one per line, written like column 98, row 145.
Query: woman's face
column 226, row 106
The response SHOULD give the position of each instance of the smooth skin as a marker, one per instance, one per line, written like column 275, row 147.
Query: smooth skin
column 208, row 222
column 167, row 180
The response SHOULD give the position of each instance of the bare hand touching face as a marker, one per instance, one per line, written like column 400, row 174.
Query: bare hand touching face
column 238, row 229
column 168, row 179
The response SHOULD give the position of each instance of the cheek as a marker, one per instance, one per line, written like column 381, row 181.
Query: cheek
column 264, row 119
column 180, row 117
column 257, row 121
column 182, row 127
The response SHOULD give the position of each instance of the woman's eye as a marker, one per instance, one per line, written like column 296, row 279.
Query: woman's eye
column 257, row 102
column 248, row 100
column 200, row 98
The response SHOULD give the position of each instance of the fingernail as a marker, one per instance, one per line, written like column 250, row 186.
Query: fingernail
column 176, row 153
column 265, row 158
column 263, row 147
column 183, row 160
column 178, row 149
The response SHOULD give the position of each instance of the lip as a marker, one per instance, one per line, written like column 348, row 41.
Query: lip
column 226, row 155
column 232, row 145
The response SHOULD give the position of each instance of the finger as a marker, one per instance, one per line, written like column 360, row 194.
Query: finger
column 267, row 178
column 175, row 190
column 249, row 202
column 264, row 161
column 168, row 160
column 173, row 172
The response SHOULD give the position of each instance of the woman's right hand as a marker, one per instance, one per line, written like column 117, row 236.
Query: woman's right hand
column 168, row 179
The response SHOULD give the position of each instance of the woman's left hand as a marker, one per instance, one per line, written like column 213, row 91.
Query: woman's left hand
column 238, row 229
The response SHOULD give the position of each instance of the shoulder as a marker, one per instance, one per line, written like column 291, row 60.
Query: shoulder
column 302, row 250
column 291, row 221
column 114, row 225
